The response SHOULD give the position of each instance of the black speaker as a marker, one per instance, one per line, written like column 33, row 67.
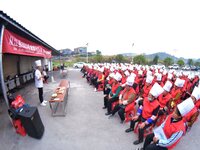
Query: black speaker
column 32, row 122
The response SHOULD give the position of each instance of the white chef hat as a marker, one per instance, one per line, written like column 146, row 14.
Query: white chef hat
column 101, row 69
column 118, row 76
column 149, row 79
column 169, row 76
column 196, row 93
column 149, row 73
column 140, row 72
column 167, row 86
column 130, row 81
column 127, row 73
column 186, row 106
column 159, row 77
column 112, row 69
column 133, row 74
column 111, row 75
column 130, row 67
column 38, row 63
column 156, row 90
column 164, row 72
column 124, row 68
column 179, row 82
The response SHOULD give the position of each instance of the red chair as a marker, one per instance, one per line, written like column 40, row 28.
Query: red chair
column 161, row 119
column 114, row 104
column 146, row 132
column 101, row 87
column 130, row 112
column 129, row 115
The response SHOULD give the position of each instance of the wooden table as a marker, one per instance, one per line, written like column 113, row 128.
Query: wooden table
column 58, row 103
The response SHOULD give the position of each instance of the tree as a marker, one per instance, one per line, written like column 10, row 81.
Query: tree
column 190, row 62
column 119, row 58
column 98, row 58
column 139, row 59
column 180, row 62
column 155, row 60
column 98, row 52
column 168, row 61
column 197, row 64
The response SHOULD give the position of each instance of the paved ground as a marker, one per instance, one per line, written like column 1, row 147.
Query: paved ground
column 85, row 126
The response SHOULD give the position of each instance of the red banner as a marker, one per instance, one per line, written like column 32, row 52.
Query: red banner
column 15, row 44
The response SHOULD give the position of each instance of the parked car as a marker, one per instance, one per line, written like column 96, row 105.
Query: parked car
column 174, row 66
column 186, row 67
column 194, row 68
column 158, row 66
column 78, row 65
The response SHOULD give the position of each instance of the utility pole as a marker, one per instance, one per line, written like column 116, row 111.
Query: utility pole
column 87, row 52
column 132, row 54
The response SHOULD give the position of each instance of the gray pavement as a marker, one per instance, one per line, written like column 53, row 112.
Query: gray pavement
column 85, row 127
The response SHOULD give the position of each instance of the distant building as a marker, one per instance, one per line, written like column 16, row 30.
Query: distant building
column 80, row 50
column 66, row 51
column 92, row 53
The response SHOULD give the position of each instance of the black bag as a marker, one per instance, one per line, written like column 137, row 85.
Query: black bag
column 32, row 122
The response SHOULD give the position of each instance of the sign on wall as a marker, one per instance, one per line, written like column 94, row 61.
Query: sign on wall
column 15, row 44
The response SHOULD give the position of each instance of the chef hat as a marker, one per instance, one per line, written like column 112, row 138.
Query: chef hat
column 191, row 76
column 127, row 73
column 179, row 82
column 196, row 93
column 169, row 76
column 130, row 81
column 140, row 72
column 149, row 73
column 186, row 106
column 130, row 67
column 149, row 79
column 167, row 86
column 124, row 68
column 133, row 75
column 159, row 77
column 112, row 69
column 111, row 75
column 164, row 72
column 101, row 69
column 118, row 76
column 38, row 63
column 156, row 90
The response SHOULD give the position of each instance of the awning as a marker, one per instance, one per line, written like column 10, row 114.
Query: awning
column 15, row 44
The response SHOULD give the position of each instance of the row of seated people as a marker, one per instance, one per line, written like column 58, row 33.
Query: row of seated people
column 152, row 97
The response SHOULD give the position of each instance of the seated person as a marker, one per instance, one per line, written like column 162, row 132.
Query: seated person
column 147, row 112
column 192, row 116
column 171, row 130
column 126, row 100
column 114, row 94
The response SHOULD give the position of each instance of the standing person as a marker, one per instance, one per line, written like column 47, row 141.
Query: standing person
column 39, row 81
column 45, row 76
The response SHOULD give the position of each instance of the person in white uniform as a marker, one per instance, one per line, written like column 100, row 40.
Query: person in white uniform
column 39, row 82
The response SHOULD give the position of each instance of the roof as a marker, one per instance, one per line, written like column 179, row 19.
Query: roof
column 17, row 28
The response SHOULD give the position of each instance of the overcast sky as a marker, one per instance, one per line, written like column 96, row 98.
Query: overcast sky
column 112, row 26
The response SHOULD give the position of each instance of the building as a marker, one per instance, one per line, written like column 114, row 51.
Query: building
column 19, row 49
column 66, row 51
column 80, row 50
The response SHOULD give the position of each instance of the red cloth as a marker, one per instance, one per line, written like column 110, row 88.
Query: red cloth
column 149, row 107
column 171, row 128
column 163, row 100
